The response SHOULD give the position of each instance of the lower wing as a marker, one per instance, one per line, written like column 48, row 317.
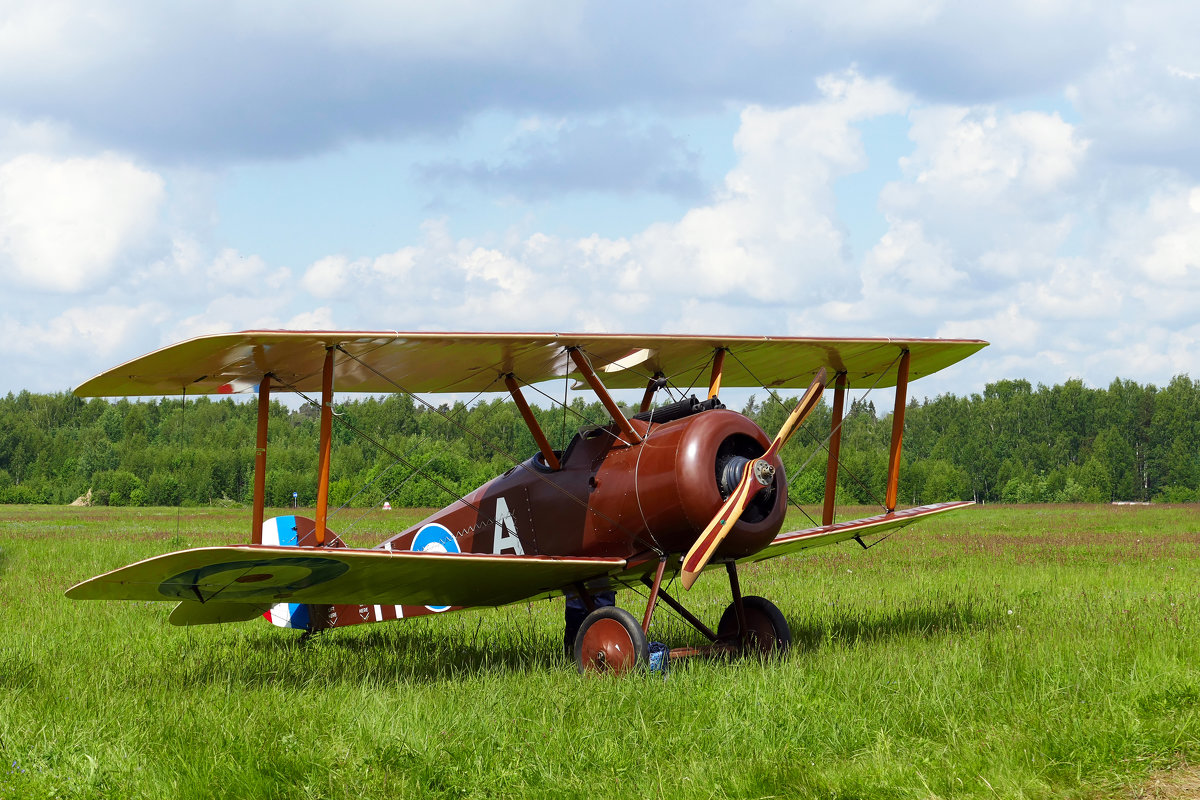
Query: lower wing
column 262, row 575
column 794, row 541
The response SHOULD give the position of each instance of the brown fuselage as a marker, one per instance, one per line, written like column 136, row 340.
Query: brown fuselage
column 614, row 499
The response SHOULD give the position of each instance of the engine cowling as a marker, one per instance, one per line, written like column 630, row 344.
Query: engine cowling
column 686, row 470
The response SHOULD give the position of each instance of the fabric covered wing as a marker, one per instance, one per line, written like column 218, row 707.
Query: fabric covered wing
column 794, row 541
column 256, row 574
column 389, row 361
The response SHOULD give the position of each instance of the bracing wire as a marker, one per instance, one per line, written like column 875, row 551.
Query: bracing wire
column 412, row 473
column 516, row 462
column 824, row 443
column 384, row 448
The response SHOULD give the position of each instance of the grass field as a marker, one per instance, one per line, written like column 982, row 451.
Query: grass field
column 999, row 652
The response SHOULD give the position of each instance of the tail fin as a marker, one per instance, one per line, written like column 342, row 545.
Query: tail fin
column 293, row 532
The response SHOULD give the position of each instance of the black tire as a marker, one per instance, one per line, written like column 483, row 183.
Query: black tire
column 767, row 631
column 610, row 640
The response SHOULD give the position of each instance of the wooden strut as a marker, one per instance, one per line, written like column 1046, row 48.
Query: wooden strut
column 893, row 484
column 835, row 448
column 688, row 616
column 326, row 445
column 539, row 436
column 260, row 460
column 610, row 405
column 648, row 395
column 718, row 367
column 652, row 600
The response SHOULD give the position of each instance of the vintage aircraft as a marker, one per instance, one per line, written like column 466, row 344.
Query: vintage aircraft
column 670, row 491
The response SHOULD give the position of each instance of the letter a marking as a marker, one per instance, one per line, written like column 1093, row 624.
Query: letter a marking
column 504, row 540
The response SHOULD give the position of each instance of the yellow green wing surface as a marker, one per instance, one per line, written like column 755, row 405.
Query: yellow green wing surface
column 257, row 575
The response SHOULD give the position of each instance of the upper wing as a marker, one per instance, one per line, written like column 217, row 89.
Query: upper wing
column 263, row 574
column 792, row 541
column 451, row 362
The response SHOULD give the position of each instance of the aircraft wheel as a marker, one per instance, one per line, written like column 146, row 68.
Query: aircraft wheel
column 610, row 640
column 767, row 632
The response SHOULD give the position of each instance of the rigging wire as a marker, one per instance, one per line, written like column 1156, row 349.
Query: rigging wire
column 424, row 437
column 380, row 445
column 824, row 443
column 517, row 463
column 588, row 421
column 587, row 358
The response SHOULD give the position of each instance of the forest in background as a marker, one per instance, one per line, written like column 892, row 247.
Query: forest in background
column 1012, row 443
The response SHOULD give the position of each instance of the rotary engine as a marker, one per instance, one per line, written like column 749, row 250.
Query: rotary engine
column 689, row 466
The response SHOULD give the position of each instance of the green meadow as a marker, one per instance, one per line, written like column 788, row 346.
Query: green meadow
column 1017, row 652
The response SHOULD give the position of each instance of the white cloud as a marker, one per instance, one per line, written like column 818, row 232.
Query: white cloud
column 506, row 274
column 1073, row 289
column 992, row 233
column 906, row 261
column 58, row 36
column 1173, row 254
column 453, row 27
column 233, row 269
column 79, row 342
column 22, row 137
column 101, row 329
column 979, row 175
column 1140, row 104
column 1004, row 220
column 64, row 224
column 774, row 234
column 339, row 276
column 318, row 319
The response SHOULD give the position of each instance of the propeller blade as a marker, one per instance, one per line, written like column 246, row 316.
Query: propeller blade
column 758, row 475
column 697, row 557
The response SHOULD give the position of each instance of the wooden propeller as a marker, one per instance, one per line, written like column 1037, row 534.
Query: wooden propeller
column 756, row 476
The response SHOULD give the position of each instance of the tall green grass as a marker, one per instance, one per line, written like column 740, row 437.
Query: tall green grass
column 1014, row 652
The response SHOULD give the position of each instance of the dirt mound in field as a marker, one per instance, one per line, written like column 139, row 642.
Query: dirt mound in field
column 1181, row 783
column 83, row 500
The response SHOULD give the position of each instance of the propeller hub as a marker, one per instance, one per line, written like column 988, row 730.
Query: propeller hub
column 764, row 473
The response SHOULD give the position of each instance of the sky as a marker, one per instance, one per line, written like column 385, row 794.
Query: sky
column 1023, row 172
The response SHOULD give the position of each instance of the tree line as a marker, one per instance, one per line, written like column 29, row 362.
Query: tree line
column 1012, row 443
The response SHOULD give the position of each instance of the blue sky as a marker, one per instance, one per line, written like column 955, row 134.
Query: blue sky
column 1025, row 172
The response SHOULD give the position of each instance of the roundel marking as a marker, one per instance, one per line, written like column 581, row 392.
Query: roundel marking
column 266, row 577
column 435, row 538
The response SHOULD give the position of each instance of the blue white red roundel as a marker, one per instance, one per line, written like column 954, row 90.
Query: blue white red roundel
column 434, row 538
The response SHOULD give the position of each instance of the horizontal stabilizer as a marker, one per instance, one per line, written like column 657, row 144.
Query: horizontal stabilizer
column 190, row 612
column 265, row 575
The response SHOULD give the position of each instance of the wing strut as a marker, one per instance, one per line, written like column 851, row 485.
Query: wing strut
column 652, row 386
column 260, row 460
column 893, row 484
column 835, row 448
column 325, row 446
column 714, row 381
column 531, row 422
column 627, row 432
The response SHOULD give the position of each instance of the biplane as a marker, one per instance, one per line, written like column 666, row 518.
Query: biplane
column 681, row 487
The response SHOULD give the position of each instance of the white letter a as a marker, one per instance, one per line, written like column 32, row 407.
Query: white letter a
column 503, row 539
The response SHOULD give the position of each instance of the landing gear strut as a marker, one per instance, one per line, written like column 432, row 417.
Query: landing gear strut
column 611, row 639
column 764, row 632
column 752, row 624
